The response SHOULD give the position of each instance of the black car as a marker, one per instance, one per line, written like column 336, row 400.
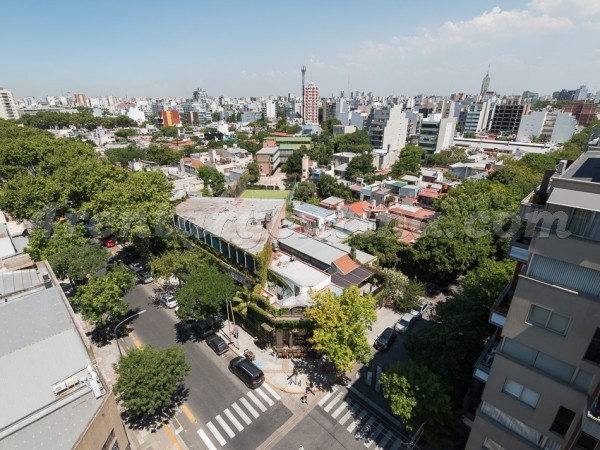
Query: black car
column 203, row 328
column 246, row 371
column 385, row 339
column 217, row 343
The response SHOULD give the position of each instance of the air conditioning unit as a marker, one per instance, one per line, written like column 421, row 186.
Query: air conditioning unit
column 58, row 388
column 561, row 166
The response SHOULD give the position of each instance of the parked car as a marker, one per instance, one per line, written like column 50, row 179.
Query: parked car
column 145, row 276
column 247, row 371
column 108, row 243
column 420, row 311
column 168, row 300
column 136, row 267
column 217, row 343
column 385, row 339
column 405, row 323
column 203, row 328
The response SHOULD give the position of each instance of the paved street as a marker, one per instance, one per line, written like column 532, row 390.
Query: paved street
column 219, row 410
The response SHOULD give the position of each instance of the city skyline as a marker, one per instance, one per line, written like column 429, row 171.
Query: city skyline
column 239, row 51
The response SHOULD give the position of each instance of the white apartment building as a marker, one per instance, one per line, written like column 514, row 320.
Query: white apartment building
column 437, row 133
column 8, row 109
column 557, row 126
column 269, row 110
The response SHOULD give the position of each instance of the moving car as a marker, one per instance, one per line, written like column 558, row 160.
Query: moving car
column 385, row 339
column 217, row 343
column 405, row 323
column 168, row 300
column 247, row 371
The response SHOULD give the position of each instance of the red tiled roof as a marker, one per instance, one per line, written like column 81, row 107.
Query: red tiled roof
column 269, row 143
column 431, row 193
column 359, row 208
column 408, row 237
column 197, row 164
column 420, row 213
column 345, row 264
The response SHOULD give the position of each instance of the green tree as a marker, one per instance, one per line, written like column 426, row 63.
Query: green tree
column 175, row 262
column 205, row 292
column 149, row 381
column 305, row 190
column 78, row 263
column 350, row 142
column 340, row 326
column 421, row 398
column 212, row 179
column 383, row 244
column 125, row 133
column 409, row 161
column 328, row 186
column 360, row 166
column 122, row 156
column 161, row 154
column 43, row 243
column 101, row 299
column 404, row 292
column 170, row 131
column 253, row 172
column 327, row 125
column 294, row 162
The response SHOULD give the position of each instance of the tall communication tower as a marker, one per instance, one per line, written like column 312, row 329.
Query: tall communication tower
column 303, row 70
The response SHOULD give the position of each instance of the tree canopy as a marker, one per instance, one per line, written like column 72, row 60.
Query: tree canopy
column 78, row 263
column 205, row 292
column 177, row 262
column 409, row 161
column 305, row 191
column 382, row 243
column 328, row 186
column 356, row 142
column 253, row 172
column 340, row 326
column 149, row 381
column 83, row 119
column 360, row 166
column 62, row 236
column 214, row 181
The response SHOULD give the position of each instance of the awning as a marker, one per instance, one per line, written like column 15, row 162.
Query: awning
column 575, row 199
column 265, row 326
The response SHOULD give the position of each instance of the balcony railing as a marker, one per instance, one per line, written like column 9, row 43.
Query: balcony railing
column 529, row 205
column 500, row 307
column 519, row 247
column 485, row 360
column 591, row 421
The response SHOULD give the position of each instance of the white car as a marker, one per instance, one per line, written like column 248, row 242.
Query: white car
column 168, row 300
column 405, row 323
column 420, row 311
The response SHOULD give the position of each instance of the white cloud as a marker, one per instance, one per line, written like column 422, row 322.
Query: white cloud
column 593, row 26
column 568, row 7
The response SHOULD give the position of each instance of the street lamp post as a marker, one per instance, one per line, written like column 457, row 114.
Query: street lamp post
column 121, row 323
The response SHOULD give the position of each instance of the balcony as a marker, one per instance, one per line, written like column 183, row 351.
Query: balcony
column 530, row 205
column 485, row 360
column 519, row 247
column 591, row 421
column 500, row 307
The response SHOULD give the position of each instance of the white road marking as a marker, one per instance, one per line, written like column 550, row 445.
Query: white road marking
column 216, row 433
column 356, row 421
column 372, row 435
column 233, row 419
column 249, row 407
column 265, row 397
column 179, row 430
column 256, row 401
column 206, row 440
column 241, row 413
column 345, row 418
column 324, row 399
column 226, row 427
column 366, row 425
column 271, row 391
column 339, row 410
column 331, row 404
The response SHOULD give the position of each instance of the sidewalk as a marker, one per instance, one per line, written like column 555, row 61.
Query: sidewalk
column 279, row 372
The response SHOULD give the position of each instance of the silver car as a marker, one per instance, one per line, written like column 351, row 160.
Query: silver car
column 168, row 300
column 405, row 323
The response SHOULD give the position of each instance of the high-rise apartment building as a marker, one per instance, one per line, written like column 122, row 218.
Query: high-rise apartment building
column 506, row 117
column 8, row 109
column 311, row 107
column 474, row 117
column 541, row 368
column 436, row 133
column 584, row 112
column 81, row 100
column 170, row 118
column 485, row 84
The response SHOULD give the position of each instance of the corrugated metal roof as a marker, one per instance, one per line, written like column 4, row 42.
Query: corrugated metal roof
column 18, row 280
column 318, row 250
column 313, row 210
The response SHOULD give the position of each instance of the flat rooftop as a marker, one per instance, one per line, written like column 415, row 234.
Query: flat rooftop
column 238, row 221
column 314, row 210
column 41, row 347
column 297, row 271
column 585, row 168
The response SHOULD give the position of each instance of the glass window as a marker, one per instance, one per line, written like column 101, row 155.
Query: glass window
column 586, row 442
column 550, row 320
column 554, row 367
column 593, row 351
column 513, row 388
column 562, row 421
column 538, row 315
column 530, row 397
column 524, row 394
column 519, row 351
column 583, row 380
column 558, row 323
column 585, row 223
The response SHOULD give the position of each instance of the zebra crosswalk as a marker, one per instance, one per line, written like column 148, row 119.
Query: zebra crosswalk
column 237, row 416
column 355, row 419
column 372, row 376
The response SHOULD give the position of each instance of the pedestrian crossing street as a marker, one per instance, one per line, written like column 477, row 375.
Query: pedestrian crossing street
column 351, row 415
column 373, row 376
column 237, row 416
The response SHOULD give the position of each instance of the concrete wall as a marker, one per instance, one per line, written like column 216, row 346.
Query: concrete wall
column 105, row 429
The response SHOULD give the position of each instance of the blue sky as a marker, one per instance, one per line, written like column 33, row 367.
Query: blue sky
column 238, row 48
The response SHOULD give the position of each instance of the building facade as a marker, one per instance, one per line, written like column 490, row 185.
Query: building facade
column 8, row 109
column 311, row 108
column 541, row 368
column 506, row 118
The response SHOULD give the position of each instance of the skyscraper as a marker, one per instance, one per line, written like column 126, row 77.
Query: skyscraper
column 485, row 85
column 81, row 100
column 311, row 107
column 8, row 109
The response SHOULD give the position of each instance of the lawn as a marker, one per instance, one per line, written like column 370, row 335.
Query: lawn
column 248, row 193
